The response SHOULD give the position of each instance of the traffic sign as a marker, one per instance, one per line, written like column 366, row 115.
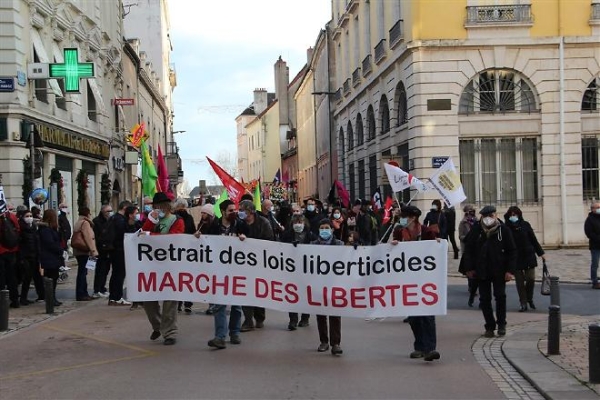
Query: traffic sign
column 7, row 84
column 72, row 70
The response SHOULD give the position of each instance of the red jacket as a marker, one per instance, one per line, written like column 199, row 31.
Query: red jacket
column 177, row 227
column 15, row 221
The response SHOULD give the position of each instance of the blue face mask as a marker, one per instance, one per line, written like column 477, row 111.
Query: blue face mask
column 403, row 221
column 242, row 215
column 310, row 207
column 137, row 217
column 513, row 218
column 148, row 208
column 325, row 234
column 161, row 214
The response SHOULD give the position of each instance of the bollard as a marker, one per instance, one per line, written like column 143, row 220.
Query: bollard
column 594, row 353
column 49, row 298
column 555, row 296
column 554, row 330
column 4, row 310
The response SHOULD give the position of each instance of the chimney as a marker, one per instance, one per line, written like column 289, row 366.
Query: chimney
column 260, row 100
column 309, row 54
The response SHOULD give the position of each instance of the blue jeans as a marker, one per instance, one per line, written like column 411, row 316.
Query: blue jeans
column 235, row 320
column 594, row 265
column 81, row 289
column 424, row 332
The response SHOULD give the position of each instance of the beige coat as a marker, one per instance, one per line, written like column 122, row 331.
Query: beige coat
column 85, row 225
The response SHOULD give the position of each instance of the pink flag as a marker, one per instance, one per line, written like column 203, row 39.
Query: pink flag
column 343, row 194
column 163, row 176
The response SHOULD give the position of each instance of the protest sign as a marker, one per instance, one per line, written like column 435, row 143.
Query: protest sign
column 369, row 281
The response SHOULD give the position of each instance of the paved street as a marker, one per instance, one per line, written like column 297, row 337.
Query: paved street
column 93, row 351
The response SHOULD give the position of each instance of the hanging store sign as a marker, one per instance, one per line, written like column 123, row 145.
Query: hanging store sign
column 71, row 70
column 59, row 138
column 123, row 102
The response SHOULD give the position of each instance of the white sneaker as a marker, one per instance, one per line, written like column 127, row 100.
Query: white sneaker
column 103, row 294
column 96, row 296
column 122, row 302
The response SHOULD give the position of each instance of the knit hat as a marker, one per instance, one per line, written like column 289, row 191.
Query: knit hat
column 208, row 209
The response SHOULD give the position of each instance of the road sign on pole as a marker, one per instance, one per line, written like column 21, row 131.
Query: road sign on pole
column 72, row 70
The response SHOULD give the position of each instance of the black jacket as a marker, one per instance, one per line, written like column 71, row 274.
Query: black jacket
column 437, row 218
column 592, row 230
column 29, row 243
column 64, row 228
column 304, row 237
column 490, row 257
column 364, row 227
column 450, row 215
column 527, row 244
column 120, row 227
column 260, row 229
column 188, row 221
column 51, row 252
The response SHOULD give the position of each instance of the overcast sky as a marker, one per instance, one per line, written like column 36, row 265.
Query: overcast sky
column 222, row 51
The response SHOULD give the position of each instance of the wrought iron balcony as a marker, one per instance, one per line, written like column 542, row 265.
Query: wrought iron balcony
column 347, row 86
column 596, row 12
column 396, row 33
column 356, row 77
column 380, row 51
column 172, row 149
column 367, row 66
column 499, row 14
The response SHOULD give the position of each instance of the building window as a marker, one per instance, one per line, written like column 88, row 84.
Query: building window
column 384, row 115
column 352, row 179
column 40, row 85
column 497, row 91
column 360, row 136
column 370, row 123
column 589, row 168
column 361, row 179
column 501, row 171
column 61, row 101
column 590, row 97
column 373, row 174
column 350, row 133
column 401, row 105
column 342, row 141
column 91, row 104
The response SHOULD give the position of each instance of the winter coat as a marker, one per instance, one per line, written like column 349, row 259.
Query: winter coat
column 188, row 221
column 64, row 228
column 291, row 236
column 15, row 223
column 437, row 218
column 51, row 251
column 86, row 226
column 490, row 257
column 592, row 230
column 177, row 227
column 527, row 244
column 260, row 229
column 29, row 241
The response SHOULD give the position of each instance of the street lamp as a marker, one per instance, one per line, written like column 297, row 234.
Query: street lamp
column 174, row 132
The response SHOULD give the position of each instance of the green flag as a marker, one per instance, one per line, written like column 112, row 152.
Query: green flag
column 224, row 196
column 257, row 203
column 149, row 175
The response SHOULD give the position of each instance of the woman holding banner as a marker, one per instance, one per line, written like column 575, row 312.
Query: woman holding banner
column 161, row 221
column 335, row 323
column 409, row 229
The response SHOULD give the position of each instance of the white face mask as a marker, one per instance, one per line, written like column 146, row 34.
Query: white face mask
column 298, row 228
column 489, row 221
column 28, row 220
column 337, row 215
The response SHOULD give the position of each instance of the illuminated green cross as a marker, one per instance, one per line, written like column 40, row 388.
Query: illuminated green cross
column 72, row 70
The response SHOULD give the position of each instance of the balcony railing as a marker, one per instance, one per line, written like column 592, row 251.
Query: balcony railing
column 347, row 86
column 367, row 66
column 356, row 77
column 172, row 149
column 499, row 14
column 396, row 33
column 596, row 12
column 380, row 51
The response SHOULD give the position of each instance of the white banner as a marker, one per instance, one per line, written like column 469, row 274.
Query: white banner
column 370, row 281
column 447, row 182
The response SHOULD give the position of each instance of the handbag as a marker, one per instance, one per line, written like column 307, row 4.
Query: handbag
column 545, row 288
column 78, row 241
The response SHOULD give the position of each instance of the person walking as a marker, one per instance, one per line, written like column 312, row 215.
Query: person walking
column 435, row 220
column 117, row 256
column 51, row 250
column 29, row 249
column 592, row 231
column 298, row 233
column 464, row 227
column 408, row 229
column 227, row 225
column 332, row 334
column 84, row 225
column 103, row 262
column 258, row 227
column 450, row 215
column 490, row 256
column 527, row 248
column 162, row 221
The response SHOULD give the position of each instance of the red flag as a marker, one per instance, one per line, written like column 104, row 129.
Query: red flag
column 235, row 190
column 387, row 210
column 343, row 194
column 163, row 176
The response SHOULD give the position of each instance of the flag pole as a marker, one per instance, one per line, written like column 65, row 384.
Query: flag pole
column 412, row 198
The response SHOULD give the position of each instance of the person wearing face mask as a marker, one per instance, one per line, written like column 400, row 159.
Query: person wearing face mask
column 435, row 220
column 268, row 211
column 284, row 214
column 205, row 226
column 146, row 208
column 180, row 209
column 490, row 257
column 258, row 227
column 117, row 256
column 332, row 334
column 132, row 216
column 64, row 226
column 103, row 262
column 362, row 222
column 312, row 215
column 464, row 227
column 340, row 228
column 29, row 258
column 409, row 229
column 592, row 231
column 162, row 221
column 84, row 225
column 298, row 233
column 527, row 248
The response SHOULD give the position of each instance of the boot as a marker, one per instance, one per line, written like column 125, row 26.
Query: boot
column 471, row 299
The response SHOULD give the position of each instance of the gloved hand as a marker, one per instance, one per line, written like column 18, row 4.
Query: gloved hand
column 355, row 245
column 295, row 243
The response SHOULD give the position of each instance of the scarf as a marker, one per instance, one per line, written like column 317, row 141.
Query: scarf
column 164, row 225
column 337, row 223
column 491, row 230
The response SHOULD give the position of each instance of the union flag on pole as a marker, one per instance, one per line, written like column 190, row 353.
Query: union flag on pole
column 235, row 190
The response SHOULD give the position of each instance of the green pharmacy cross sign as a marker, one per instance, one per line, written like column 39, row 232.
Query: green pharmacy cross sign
column 71, row 70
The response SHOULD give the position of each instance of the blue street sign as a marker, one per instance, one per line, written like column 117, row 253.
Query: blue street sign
column 7, row 84
column 437, row 162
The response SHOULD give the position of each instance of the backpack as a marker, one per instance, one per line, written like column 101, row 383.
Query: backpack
column 9, row 236
column 105, row 241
